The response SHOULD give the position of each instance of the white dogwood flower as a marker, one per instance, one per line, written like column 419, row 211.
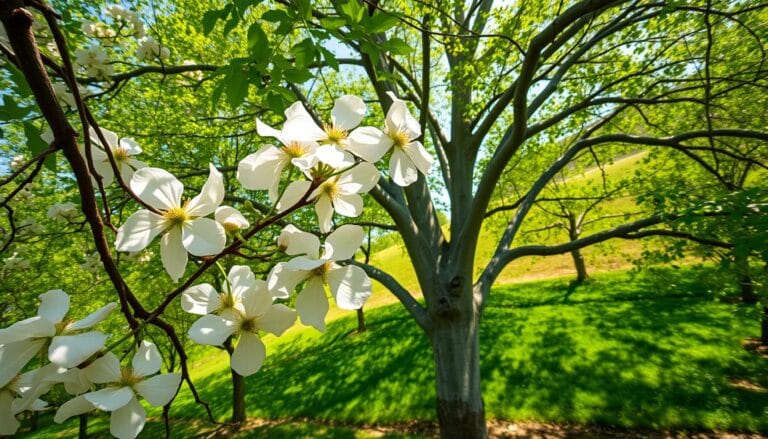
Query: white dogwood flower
column 205, row 299
column 17, row 161
column 340, row 193
column 123, row 386
column 183, row 226
column 256, row 313
column 150, row 49
column 16, row 263
column 63, row 212
column 347, row 112
column 122, row 150
column 263, row 169
column 230, row 218
column 68, row 348
column 21, row 393
column 349, row 284
column 94, row 60
column 401, row 130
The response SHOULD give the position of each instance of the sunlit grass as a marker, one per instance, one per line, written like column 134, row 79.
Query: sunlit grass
column 624, row 350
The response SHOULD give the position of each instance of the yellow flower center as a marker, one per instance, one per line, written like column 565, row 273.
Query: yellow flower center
column 330, row 189
column 61, row 326
column 249, row 325
column 226, row 301
column 128, row 378
column 335, row 134
column 400, row 139
column 323, row 270
column 120, row 154
column 176, row 216
column 294, row 150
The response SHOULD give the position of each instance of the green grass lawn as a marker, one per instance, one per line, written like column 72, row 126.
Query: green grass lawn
column 624, row 350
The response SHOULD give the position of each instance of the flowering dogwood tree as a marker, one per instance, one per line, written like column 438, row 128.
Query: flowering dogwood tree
column 518, row 85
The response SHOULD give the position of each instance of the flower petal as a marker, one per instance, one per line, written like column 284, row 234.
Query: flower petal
column 203, row 237
column 282, row 281
column 298, row 242
column 401, row 119
column 54, row 305
column 200, row 299
column 109, row 136
column 104, row 370
column 8, row 422
column 32, row 327
column 211, row 195
column 147, row 360
column 249, row 354
column 242, row 279
column 157, row 187
column 312, row 304
column 160, row 389
column 256, row 301
column 347, row 112
column 277, row 319
column 128, row 421
column 262, row 169
column 348, row 205
column 138, row 231
column 265, row 130
column 92, row 318
column 173, row 254
column 369, row 143
column 303, row 263
column 211, row 330
column 300, row 125
column 419, row 156
column 73, row 407
column 102, row 166
column 71, row 350
column 293, row 194
column 324, row 211
column 14, row 356
column 360, row 179
column 402, row 169
column 344, row 242
column 333, row 156
column 130, row 145
column 229, row 216
column 350, row 286
column 110, row 398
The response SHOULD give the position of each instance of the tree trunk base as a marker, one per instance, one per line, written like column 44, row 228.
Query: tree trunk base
column 459, row 421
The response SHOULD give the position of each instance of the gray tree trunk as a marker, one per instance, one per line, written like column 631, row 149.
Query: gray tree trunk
column 456, row 349
column 746, row 287
column 764, row 327
column 581, row 266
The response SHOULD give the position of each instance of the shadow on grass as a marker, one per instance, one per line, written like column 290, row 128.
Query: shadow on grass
column 622, row 350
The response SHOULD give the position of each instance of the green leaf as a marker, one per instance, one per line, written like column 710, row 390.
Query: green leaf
column 396, row 46
column 11, row 110
column 237, row 86
column 381, row 22
column 353, row 11
column 258, row 42
column 297, row 76
column 22, row 87
column 37, row 145
column 275, row 16
column 209, row 21
column 304, row 53
column 332, row 23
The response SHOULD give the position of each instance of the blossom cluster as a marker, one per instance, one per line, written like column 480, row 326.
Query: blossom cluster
column 328, row 166
column 94, row 59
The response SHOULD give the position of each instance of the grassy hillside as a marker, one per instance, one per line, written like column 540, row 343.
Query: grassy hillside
column 603, row 257
column 626, row 350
